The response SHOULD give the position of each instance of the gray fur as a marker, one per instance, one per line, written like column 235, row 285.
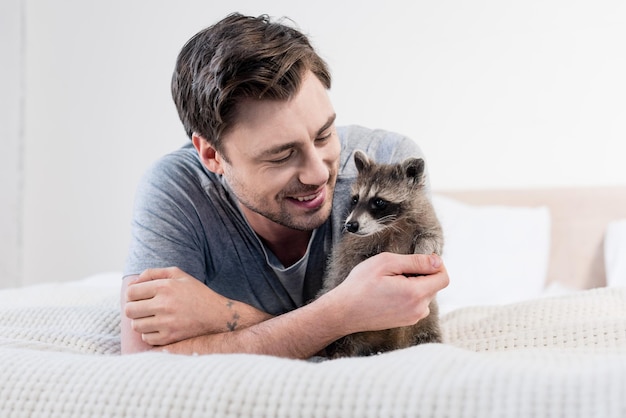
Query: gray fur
column 407, row 225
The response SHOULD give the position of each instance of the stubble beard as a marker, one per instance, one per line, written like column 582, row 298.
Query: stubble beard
column 282, row 215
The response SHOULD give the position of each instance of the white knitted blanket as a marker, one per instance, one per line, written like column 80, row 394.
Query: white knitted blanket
column 563, row 356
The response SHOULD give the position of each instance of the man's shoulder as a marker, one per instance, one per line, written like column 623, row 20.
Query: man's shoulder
column 178, row 167
column 179, row 175
column 181, row 159
column 381, row 145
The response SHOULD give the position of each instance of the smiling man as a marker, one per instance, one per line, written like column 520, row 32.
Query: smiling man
column 231, row 233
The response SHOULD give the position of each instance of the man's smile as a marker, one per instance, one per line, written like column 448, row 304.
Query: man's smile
column 310, row 201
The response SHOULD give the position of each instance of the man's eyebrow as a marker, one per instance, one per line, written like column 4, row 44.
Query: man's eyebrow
column 283, row 147
column 328, row 124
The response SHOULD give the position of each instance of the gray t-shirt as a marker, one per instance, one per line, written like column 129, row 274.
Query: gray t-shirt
column 186, row 216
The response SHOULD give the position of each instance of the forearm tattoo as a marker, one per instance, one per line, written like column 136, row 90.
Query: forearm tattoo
column 232, row 325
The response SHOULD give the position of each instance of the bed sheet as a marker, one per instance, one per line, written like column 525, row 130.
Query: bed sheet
column 556, row 356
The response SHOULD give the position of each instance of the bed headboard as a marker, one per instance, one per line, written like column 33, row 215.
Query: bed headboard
column 579, row 217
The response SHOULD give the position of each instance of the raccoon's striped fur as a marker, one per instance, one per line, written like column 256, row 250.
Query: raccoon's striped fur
column 390, row 212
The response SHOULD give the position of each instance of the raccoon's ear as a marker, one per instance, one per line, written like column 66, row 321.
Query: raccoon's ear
column 361, row 161
column 414, row 169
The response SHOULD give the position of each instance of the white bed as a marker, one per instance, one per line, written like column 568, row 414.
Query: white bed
column 553, row 345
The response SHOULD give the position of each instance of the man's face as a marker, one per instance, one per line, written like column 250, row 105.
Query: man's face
column 283, row 158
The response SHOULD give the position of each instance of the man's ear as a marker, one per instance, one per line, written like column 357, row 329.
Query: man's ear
column 208, row 155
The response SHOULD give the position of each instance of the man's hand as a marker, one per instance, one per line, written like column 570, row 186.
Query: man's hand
column 168, row 305
column 390, row 290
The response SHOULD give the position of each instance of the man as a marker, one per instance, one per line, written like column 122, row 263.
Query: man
column 232, row 231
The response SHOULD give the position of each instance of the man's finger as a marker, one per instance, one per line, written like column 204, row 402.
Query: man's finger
column 413, row 264
column 141, row 291
column 435, row 282
column 144, row 325
column 155, row 274
column 138, row 309
column 152, row 338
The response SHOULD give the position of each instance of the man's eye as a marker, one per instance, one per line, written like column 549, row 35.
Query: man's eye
column 324, row 138
column 282, row 159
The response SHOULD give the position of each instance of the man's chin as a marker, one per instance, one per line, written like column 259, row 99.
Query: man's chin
column 308, row 225
column 308, row 222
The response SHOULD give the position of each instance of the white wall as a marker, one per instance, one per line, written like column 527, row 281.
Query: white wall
column 498, row 94
column 10, row 141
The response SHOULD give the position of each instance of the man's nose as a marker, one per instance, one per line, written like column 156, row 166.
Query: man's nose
column 314, row 171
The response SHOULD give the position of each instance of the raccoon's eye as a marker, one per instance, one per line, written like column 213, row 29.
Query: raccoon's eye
column 355, row 200
column 378, row 203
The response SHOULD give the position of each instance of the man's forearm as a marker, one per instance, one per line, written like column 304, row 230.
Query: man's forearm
column 385, row 291
column 298, row 334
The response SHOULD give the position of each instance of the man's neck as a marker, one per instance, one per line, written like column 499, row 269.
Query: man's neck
column 287, row 244
column 289, row 250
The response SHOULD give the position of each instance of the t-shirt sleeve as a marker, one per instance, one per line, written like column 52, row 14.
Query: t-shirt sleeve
column 165, row 226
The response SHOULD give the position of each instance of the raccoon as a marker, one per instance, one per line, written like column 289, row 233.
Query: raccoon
column 390, row 212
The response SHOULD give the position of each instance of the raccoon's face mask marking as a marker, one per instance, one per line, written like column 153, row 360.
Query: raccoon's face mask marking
column 379, row 193
column 371, row 215
column 378, row 204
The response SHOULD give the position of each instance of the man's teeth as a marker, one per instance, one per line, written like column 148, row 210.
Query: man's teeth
column 306, row 198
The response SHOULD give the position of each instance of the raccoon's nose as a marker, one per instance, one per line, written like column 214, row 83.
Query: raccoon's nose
column 352, row 226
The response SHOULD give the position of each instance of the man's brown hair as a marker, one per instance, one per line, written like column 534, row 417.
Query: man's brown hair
column 238, row 58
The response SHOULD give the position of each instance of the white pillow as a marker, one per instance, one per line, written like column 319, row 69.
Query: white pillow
column 615, row 253
column 494, row 254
